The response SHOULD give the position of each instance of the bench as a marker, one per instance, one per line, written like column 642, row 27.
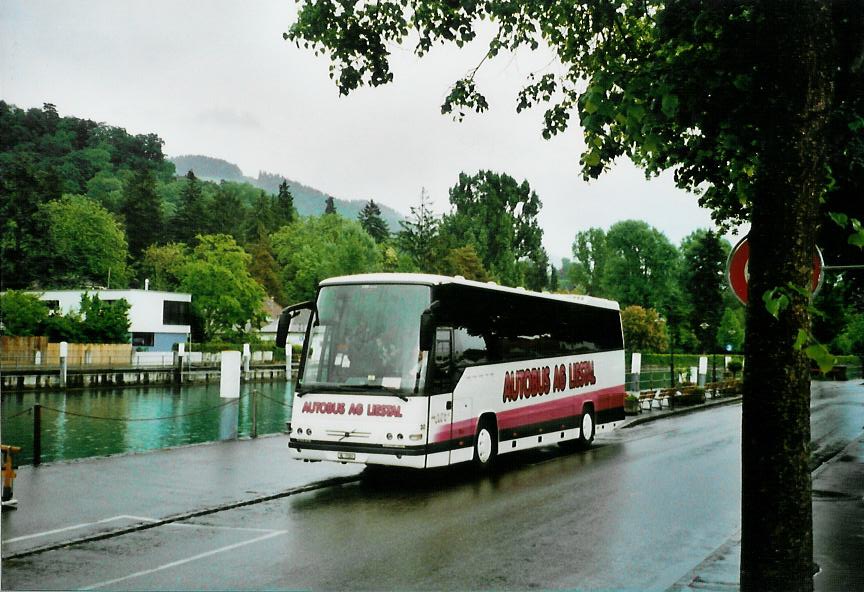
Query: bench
column 653, row 399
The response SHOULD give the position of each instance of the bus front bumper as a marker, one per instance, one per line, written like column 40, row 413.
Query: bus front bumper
column 372, row 454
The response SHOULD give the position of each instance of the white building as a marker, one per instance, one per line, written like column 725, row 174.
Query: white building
column 296, row 330
column 157, row 320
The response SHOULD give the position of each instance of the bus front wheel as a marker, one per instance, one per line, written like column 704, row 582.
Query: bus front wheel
column 586, row 433
column 485, row 445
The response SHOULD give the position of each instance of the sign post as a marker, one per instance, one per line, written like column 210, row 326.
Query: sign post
column 738, row 270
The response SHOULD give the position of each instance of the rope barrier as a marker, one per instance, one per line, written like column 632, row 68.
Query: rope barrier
column 27, row 411
column 277, row 401
column 199, row 412
column 103, row 418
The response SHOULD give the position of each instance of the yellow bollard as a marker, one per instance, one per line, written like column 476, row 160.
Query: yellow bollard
column 8, row 470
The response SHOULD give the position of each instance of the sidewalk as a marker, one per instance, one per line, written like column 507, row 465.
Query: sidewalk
column 838, row 532
column 69, row 501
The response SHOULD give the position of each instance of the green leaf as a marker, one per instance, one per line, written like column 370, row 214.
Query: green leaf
column 636, row 112
column 801, row 340
column 839, row 219
column 592, row 158
column 651, row 144
column 774, row 302
column 823, row 358
column 669, row 105
column 857, row 239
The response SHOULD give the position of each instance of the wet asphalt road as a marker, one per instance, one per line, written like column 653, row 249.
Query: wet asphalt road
column 637, row 511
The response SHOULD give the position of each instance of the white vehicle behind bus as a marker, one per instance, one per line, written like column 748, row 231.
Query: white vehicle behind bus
column 425, row 371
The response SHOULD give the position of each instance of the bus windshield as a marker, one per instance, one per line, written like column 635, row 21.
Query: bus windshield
column 366, row 337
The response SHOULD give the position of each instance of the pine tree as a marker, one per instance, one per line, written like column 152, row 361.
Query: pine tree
column 192, row 214
column 553, row 279
column 330, row 206
column 261, row 219
column 418, row 234
column 283, row 207
column 371, row 221
column 142, row 209
column 264, row 267
column 229, row 213
column 704, row 262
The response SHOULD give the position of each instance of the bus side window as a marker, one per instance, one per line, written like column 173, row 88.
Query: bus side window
column 469, row 350
column 442, row 376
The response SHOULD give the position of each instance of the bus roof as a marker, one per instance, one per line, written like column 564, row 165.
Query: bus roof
column 436, row 280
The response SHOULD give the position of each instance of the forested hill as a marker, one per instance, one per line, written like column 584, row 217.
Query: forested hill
column 308, row 200
column 84, row 203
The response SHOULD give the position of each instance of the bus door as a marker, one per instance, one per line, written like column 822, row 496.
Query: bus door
column 441, row 399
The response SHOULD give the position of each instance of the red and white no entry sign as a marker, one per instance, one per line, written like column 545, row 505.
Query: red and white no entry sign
column 738, row 274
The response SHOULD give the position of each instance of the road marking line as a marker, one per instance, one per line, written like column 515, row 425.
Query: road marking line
column 140, row 518
column 184, row 561
column 76, row 527
column 214, row 527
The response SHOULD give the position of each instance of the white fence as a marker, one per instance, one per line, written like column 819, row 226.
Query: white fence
column 149, row 359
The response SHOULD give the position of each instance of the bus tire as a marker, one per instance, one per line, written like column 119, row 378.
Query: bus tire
column 586, row 431
column 485, row 445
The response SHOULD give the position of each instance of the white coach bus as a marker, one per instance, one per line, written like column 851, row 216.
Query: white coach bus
column 425, row 371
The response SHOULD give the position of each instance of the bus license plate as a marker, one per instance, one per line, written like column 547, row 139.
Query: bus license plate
column 346, row 456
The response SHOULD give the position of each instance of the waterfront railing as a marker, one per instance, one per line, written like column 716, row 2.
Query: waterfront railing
column 97, row 358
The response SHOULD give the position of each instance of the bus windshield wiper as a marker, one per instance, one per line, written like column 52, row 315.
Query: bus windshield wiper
column 351, row 388
column 380, row 387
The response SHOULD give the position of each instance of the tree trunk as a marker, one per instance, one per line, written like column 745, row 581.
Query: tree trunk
column 777, row 525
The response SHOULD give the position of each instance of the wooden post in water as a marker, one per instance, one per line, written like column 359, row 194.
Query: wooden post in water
column 64, row 362
column 37, row 435
column 254, row 413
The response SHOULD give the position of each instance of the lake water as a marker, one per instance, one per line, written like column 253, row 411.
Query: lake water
column 99, row 422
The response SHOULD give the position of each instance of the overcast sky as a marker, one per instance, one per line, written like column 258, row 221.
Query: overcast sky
column 216, row 78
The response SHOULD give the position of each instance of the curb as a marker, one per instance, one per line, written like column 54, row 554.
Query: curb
column 686, row 411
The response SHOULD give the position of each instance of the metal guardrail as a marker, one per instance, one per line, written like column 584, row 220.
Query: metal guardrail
column 138, row 360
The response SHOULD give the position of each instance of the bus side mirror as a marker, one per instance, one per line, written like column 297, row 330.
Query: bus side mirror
column 289, row 313
column 427, row 328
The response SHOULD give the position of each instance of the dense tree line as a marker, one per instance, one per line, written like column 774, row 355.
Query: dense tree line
column 95, row 321
column 636, row 265
column 90, row 205
column 307, row 200
column 686, row 287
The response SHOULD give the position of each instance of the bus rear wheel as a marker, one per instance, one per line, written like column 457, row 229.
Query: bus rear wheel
column 485, row 445
column 586, row 433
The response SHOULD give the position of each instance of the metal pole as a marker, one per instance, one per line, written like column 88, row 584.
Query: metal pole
column 672, row 361
column 37, row 435
column 714, row 368
column 178, row 368
column 64, row 361
column 254, row 414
